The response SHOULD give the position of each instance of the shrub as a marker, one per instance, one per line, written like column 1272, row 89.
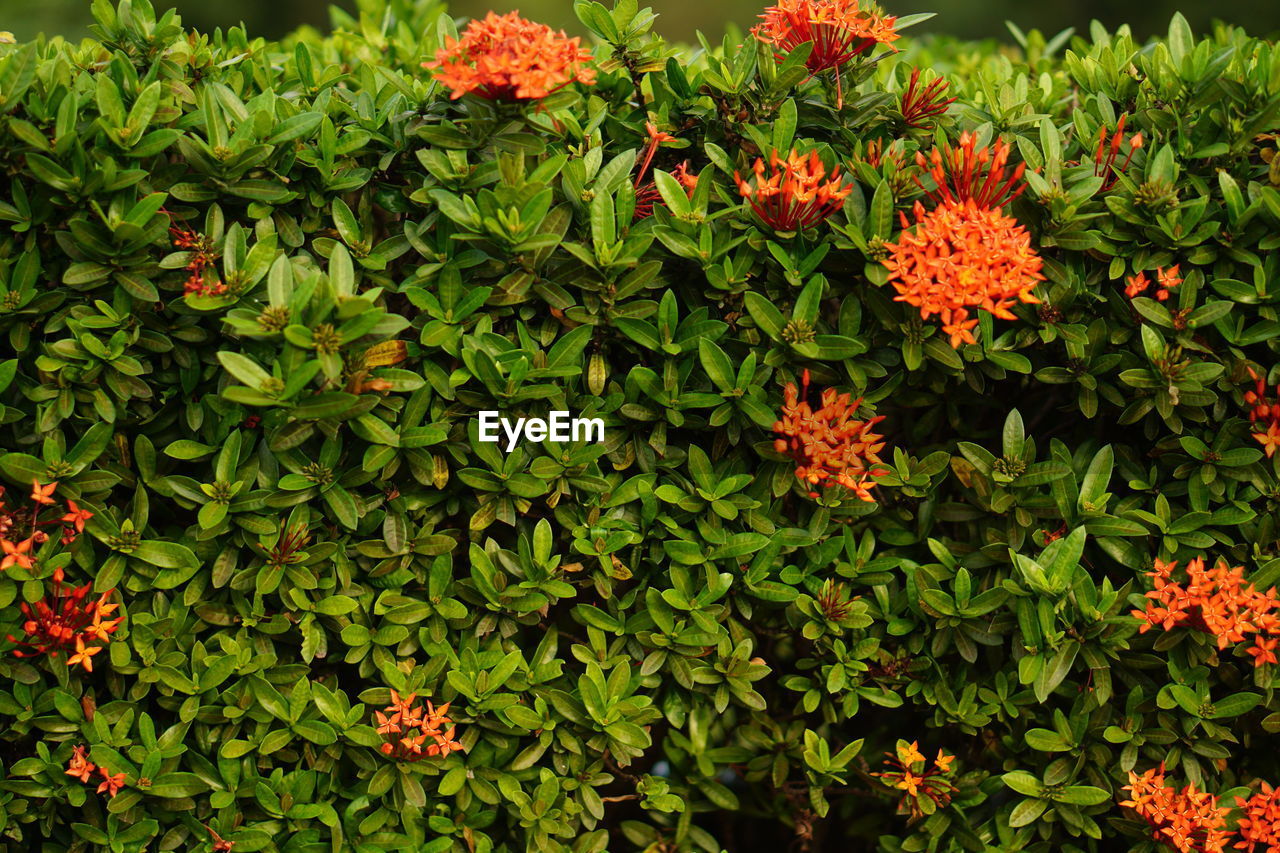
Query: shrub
column 897, row 536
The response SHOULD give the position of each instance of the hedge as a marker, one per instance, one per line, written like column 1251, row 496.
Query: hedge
column 936, row 506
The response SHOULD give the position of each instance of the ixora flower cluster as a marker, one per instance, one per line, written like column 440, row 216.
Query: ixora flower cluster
column 1216, row 601
column 967, row 252
column 838, row 31
column 83, row 769
column 924, row 789
column 63, row 621
column 508, row 58
column 830, row 444
column 407, row 727
column 1264, row 414
column 796, row 193
column 1193, row 821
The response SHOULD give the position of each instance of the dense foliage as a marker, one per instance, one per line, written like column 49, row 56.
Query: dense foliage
column 937, row 506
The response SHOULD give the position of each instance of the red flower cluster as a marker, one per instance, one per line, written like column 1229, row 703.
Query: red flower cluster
column 1261, row 822
column 1167, row 279
column 797, row 193
column 1263, row 412
column 63, row 622
column 910, row 776
column 202, row 260
column 406, row 729
column 971, row 173
column 508, row 58
column 830, row 445
column 82, row 768
column 1216, row 601
column 20, row 532
column 919, row 105
column 965, row 253
column 1190, row 821
column 838, row 29
column 1104, row 157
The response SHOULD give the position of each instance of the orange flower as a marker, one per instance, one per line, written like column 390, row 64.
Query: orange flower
column 16, row 553
column 839, row 30
column 111, row 784
column 76, row 516
column 797, row 193
column 1215, row 601
column 1270, row 439
column 943, row 761
column 961, row 256
column 910, row 754
column 508, row 58
column 42, row 494
column 80, row 766
column 1168, row 279
column 1261, row 822
column 84, row 655
column 1188, row 820
column 830, row 445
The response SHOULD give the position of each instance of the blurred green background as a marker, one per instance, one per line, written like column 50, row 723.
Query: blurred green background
column 680, row 18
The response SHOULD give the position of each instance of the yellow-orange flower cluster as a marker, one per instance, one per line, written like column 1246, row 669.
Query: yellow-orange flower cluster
column 1216, row 601
column 1189, row 821
column 82, row 768
column 1264, row 414
column 831, row 445
column 796, row 193
column 1167, row 280
column 508, row 58
column 962, row 256
column 407, row 729
column 1260, row 825
column 839, row 30
column 912, row 776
